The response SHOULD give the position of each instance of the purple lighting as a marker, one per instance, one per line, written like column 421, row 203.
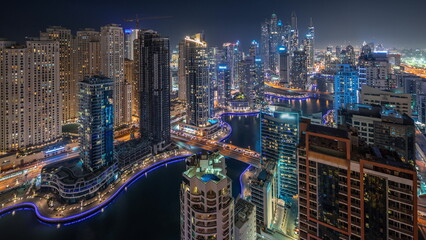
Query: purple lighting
column 93, row 211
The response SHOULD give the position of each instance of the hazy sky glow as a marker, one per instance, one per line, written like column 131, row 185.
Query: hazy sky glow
column 337, row 22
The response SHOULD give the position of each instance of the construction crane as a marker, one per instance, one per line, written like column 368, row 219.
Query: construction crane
column 138, row 19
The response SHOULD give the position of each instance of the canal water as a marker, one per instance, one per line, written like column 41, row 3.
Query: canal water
column 149, row 209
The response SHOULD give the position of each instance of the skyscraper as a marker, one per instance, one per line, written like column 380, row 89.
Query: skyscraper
column 294, row 34
column 272, row 37
column 74, row 181
column 375, row 69
column 153, row 63
column 207, row 206
column 310, row 46
column 30, row 95
column 112, row 66
column 87, row 54
column 299, row 70
column 130, row 35
column 193, row 75
column 254, row 49
column 279, row 140
column 285, row 65
column 346, row 86
column 224, row 85
column 68, row 84
column 347, row 191
column 96, row 118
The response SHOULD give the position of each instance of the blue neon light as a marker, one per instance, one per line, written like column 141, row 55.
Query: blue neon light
column 55, row 149
column 94, row 211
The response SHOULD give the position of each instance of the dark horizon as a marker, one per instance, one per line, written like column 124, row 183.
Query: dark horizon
column 336, row 22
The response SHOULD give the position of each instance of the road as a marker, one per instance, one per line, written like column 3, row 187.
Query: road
column 245, row 155
column 18, row 176
column 296, row 90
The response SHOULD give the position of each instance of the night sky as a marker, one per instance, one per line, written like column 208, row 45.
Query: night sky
column 391, row 22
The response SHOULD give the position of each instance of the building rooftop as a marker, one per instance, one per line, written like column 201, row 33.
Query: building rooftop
column 328, row 131
column 206, row 166
column 243, row 209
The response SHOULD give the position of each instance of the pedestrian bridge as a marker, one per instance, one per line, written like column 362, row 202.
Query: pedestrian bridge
column 242, row 154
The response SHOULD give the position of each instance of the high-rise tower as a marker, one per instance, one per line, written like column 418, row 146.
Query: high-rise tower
column 207, row 208
column 310, row 46
column 193, row 77
column 30, row 96
column 96, row 117
column 112, row 66
column 279, row 135
column 153, row 64
column 68, row 85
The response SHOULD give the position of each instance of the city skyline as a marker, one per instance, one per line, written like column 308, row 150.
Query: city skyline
column 237, row 120
column 234, row 21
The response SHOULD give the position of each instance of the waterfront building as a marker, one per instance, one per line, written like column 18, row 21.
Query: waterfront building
column 153, row 63
column 349, row 191
column 395, row 99
column 96, row 118
column 79, row 179
column 245, row 220
column 112, row 66
column 263, row 188
column 346, row 86
column 68, row 84
column 193, row 72
column 279, row 140
column 31, row 101
column 206, row 203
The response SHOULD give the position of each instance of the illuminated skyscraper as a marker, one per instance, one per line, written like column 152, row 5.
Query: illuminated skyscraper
column 193, row 74
column 346, row 86
column 232, row 56
column 280, row 137
column 224, row 85
column 254, row 49
column 299, row 70
column 96, row 118
column 87, row 54
column 207, row 206
column 130, row 35
column 347, row 56
column 31, row 103
column 112, row 66
column 153, row 63
column 272, row 37
column 310, row 46
column 68, row 84
column 285, row 65
column 375, row 69
column 349, row 191
column 294, row 34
